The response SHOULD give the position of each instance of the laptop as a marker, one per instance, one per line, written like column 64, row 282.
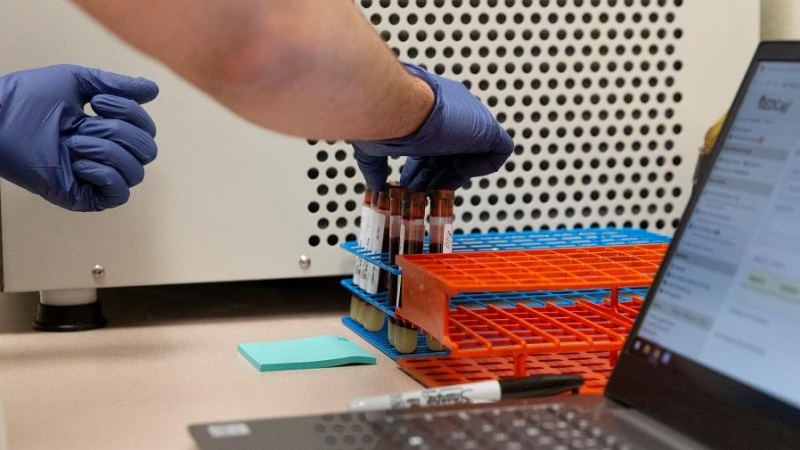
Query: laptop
column 713, row 360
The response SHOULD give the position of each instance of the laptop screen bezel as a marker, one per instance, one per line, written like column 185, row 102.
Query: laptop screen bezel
column 692, row 398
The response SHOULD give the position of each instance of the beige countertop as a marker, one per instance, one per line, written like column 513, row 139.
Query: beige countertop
column 168, row 359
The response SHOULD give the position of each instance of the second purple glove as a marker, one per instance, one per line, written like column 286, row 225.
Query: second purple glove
column 50, row 147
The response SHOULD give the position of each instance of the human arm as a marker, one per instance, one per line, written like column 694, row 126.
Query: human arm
column 317, row 69
column 50, row 147
column 302, row 67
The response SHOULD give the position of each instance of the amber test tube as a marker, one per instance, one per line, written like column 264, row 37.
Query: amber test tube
column 384, row 210
column 375, row 243
column 395, row 230
column 359, row 277
column 359, row 271
column 412, row 206
column 440, row 237
column 373, row 316
column 441, row 232
column 395, row 227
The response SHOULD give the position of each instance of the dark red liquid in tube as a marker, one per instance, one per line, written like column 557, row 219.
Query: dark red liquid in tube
column 383, row 209
column 412, row 206
column 412, row 228
column 395, row 227
column 441, row 233
column 440, row 236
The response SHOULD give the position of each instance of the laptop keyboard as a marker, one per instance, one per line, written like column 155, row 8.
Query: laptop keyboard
column 547, row 426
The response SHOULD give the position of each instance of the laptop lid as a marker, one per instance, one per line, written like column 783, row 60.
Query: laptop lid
column 715, row 351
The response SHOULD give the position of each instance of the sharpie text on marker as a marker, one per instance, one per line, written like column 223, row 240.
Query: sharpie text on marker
column 482, row 391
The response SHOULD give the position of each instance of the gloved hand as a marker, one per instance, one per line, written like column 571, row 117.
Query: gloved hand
column 459, row 140
column 49, row 146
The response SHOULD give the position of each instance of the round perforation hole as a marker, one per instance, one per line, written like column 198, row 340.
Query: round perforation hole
column 588, row 89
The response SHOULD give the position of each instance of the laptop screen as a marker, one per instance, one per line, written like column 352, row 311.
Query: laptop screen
column 717, row 341
column 730, row 298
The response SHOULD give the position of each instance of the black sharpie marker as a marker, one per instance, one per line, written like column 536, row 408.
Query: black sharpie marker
column 482, row 391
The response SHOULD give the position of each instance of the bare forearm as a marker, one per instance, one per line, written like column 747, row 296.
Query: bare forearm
column 331, row 76
column 311, row 68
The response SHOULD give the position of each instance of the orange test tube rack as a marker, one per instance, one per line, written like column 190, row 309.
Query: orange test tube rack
column 429, row 281
column 594, row 366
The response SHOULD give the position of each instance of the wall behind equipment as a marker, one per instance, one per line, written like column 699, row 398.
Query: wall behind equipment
column 780, row 19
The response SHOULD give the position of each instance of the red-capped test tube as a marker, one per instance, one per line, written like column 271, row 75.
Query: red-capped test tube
column 440, row 236
column 359, row 272
column 373, row 317
column 383, row 210
column 441, row 233
column 395, row 227
column 376, row 237
column 412, row 206
column 359, row 276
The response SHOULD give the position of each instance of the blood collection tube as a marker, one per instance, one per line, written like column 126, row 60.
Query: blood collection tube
column 359, row 276
column 441, row 233
column 384, row 210
column 395, row 227
column 359, row 272
column 440, row 236
column 412, row 206
column 375, row 242
column 373, row 317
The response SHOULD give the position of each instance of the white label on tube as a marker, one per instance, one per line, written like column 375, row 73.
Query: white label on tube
column 357, row 271
column 378, row 224
column 447, row 238
column 397, row 292
column 402, row 238
column 366, row 246
column 400, row 252
column 362, row 231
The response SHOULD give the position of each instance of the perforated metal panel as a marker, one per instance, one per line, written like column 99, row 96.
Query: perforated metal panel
column 587, row 89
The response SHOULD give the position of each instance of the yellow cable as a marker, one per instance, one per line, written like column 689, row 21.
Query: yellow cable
column 711, row 136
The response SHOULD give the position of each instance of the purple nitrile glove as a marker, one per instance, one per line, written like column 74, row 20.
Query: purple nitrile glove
column 459, row 140
column 50, row 147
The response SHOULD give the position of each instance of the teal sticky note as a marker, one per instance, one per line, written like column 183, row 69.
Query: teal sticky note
column 308, row 353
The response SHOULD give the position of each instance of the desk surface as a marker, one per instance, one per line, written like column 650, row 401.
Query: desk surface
column 168, row 359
